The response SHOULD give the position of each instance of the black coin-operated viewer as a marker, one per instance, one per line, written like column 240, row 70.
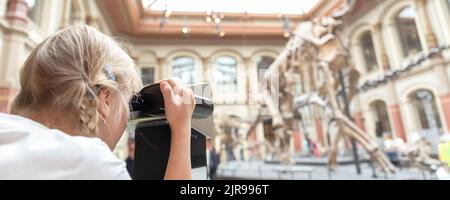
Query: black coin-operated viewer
column 153, row 134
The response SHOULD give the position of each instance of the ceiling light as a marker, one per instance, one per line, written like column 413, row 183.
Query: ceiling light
column 185, row 30
column 167, row 13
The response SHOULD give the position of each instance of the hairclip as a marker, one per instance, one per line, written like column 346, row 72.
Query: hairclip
column 108, row 72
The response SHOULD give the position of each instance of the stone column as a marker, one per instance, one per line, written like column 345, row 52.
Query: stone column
column 66, row 14
column 431, row 40
column 161, row 62
column 205, row 69
column 357, row 113
column 395, row 113
column 445, row 103
column 379, row 44
column 17, row 11
column 357, row 56
column 248, row 65
column 397, row 120
column 319, row 131
column 297, row 137
column 14, row 48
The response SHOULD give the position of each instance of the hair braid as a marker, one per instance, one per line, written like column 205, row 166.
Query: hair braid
column 89, row 113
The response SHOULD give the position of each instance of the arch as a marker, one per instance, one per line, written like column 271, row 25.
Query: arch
column 267, row 52
column 369, row 112
column 183, row 69
column 408, row 30
column 226, row 73
column 424, row 101
column 375, row 99
column 237, row 90
column 263, row 65
column 227, row 52
column 412, row 123
column 392, row 9
column 148, row 65
column 256, row 56
column 254, row 73
column 178, row 52
column 390, row 19
column 404, row 97
column 363, row 50
column 381, row 118
column 362, row 38
column 198, row 67
column 369, row 53
column 146, row 56
column 357, row 31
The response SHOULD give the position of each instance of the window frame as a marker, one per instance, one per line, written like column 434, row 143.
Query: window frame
column 420, row 112
column 367, row 66
column 218, row 86
column 142, row 74
column 192, row 72
column 401, row 34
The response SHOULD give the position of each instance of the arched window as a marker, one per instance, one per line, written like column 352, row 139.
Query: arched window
column 183, row 69
column 225, row 74
column 424, row 102
column 34, row 10
column 368, row 51
column 263, row 65
column 148, row 75
column 382, row 124
column 407, row 29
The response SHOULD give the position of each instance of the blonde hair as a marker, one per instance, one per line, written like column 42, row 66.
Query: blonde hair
column 67, row 71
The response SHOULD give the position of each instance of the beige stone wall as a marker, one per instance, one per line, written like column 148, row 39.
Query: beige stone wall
column 432, row 76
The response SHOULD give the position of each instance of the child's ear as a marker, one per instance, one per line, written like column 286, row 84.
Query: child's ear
column 104, row 103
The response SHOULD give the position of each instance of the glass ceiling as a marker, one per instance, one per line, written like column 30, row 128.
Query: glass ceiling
column 233, row 6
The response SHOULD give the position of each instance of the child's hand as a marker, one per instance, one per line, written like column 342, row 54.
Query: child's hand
column 179, row 104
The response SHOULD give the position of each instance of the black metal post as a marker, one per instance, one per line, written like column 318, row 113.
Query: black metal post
column 347, row 113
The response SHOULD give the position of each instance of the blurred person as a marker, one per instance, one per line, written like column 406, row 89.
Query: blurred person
column 316, row 149
column 444, row 148
column 214, row 162
column 391, row 149
column 73, row 107
column 310, row 145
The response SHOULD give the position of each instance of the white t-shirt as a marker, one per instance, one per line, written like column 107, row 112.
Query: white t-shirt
column 29, row 150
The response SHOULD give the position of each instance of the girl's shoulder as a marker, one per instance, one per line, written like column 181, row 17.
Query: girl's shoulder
column 32, row 147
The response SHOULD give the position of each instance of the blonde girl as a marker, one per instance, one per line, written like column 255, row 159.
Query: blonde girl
column 73, row 108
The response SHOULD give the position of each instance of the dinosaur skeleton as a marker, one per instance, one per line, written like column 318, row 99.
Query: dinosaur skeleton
column 314, row 56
